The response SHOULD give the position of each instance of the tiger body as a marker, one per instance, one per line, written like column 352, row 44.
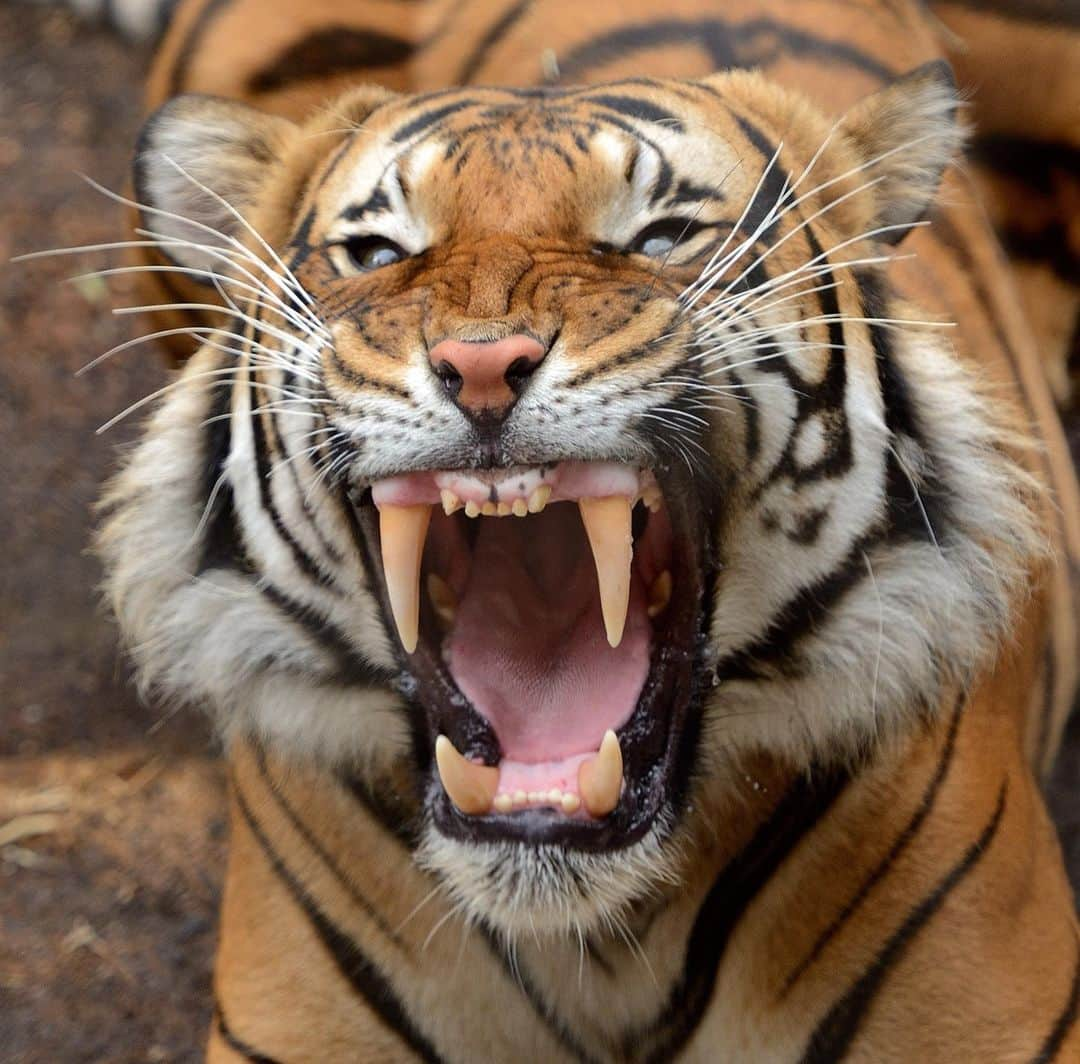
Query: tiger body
column 856, row 862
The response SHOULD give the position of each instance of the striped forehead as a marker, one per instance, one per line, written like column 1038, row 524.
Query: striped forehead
column 610, row 130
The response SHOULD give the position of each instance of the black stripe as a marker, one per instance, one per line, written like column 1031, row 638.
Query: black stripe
column 237, row 1045
column 758, row 42
column 212, row 9
column 389, row 810
column 1064, row 13
column 1063, row 1024
column 834, row 1035
column 328, row 51
column 635, row 107
column 352, row 670
column 428, row 119
column 544, row 1012
column 496, row 32
column 1049, row 246
column 361, row 972
column 1023, row 158
column 795, row 816
column 901, row 843
column 328, row 549
column 828, row 396
column 377, row 201
column 806, row 612
column 917, row 510
column 222, row 546
column 327, row 859
column 264, row 473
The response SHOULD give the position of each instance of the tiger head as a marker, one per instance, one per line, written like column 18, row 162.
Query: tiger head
column 559, row 448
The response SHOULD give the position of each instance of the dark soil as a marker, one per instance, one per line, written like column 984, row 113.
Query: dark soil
column 111, row 813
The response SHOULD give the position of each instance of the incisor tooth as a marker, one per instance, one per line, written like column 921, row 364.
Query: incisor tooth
column 600, row 778
column 571, row 803
column 489, row 509
column 442, row 598
column 504, row 803
column 471, row 509
column 607, row 524
column 450, row 502
column 539, row 498
column 471, row 787
column 660, row 594
column 402, row 531
column 520, row 508
column 504, row 509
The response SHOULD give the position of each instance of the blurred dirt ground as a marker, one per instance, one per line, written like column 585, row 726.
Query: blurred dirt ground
column 111, row 818
column 111, row 813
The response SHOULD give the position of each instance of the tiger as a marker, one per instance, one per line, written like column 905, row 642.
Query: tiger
column 617, row 517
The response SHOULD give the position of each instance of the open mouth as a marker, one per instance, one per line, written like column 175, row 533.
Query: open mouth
column 550, row 618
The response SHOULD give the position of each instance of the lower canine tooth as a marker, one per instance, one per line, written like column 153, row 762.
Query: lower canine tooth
column 471, row 787
column 660, row 594
column 402, row 531
column 600, row 778
column 607, row 524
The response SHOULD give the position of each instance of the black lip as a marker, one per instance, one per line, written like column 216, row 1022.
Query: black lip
column 658, row 741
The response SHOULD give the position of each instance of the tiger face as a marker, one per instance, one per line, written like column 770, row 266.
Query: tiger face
column 559, row 448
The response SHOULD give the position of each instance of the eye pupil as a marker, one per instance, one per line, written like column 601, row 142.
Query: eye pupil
column 373, row 253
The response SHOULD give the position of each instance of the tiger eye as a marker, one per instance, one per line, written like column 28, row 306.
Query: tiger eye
column 373, row 253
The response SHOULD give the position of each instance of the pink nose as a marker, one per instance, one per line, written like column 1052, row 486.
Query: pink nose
column 486, row 378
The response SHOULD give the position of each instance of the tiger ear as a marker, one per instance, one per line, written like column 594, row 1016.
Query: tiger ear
column 906, row 135
column 203, row 160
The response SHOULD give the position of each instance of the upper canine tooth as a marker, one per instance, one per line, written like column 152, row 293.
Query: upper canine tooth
column 600, row 777
column 607, row 524
column 539, row 498
column 660, row 594
column 450, row 502
column 402, row 531
column 471, row 787
column 442, row 598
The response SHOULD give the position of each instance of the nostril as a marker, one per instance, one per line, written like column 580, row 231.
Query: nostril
column 450, row 377
column 518, row 373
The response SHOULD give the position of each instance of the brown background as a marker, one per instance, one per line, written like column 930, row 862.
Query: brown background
column 111, row 812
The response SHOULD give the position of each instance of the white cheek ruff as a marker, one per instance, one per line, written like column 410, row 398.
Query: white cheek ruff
column 217, row 639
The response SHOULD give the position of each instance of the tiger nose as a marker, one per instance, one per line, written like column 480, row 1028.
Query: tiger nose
column 485, row 379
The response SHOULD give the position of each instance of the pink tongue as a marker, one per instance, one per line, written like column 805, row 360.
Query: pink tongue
column 528, row 648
